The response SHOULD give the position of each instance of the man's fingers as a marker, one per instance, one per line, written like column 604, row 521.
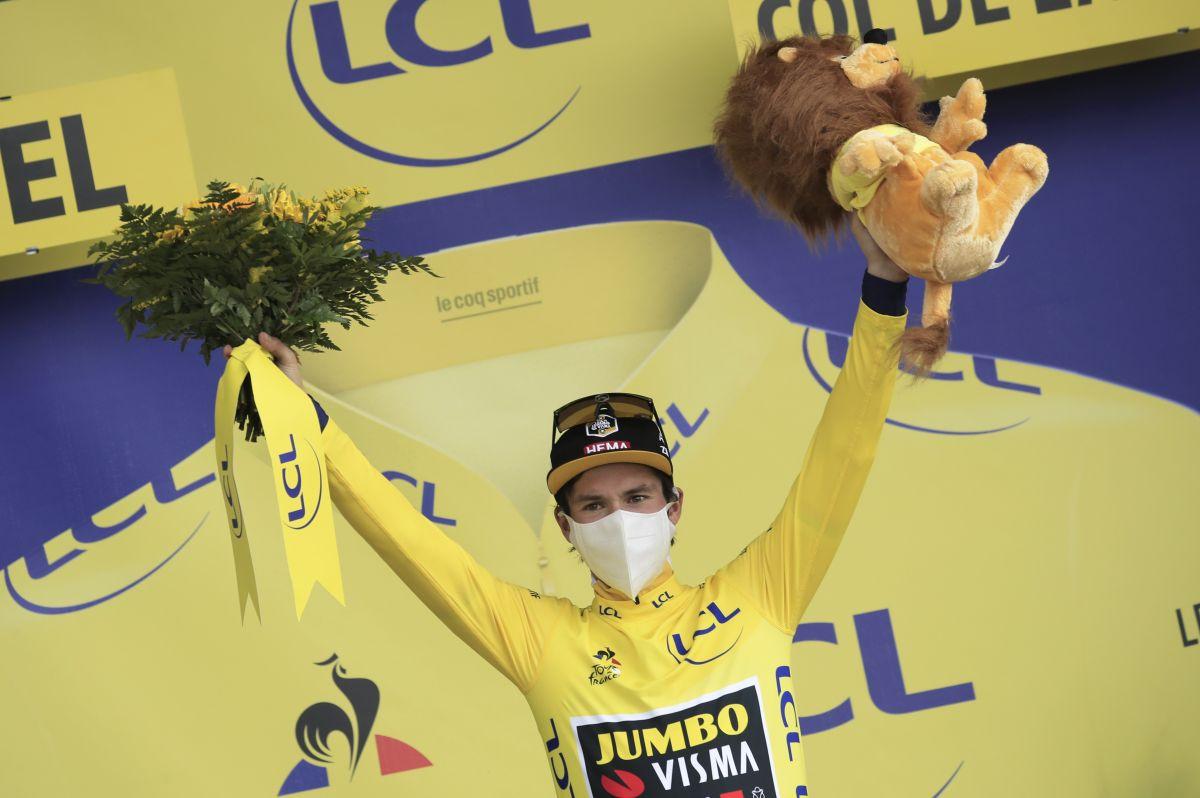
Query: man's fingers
column 282, row 352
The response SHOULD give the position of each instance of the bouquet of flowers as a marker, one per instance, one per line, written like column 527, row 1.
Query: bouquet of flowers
column 245, row 259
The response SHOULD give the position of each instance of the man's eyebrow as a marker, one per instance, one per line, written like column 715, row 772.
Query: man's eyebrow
column 645, row 487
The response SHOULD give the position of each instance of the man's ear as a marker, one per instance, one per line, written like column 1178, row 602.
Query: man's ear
column 561, row 518
column 677, row 509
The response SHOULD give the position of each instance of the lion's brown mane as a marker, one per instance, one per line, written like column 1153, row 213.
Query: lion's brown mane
column 783, row 124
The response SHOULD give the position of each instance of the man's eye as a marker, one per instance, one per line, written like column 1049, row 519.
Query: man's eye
column 639, row 497
column 592, row 506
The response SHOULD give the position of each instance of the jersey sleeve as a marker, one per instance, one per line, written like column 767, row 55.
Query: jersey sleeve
column 782, row 568
column 506, row 624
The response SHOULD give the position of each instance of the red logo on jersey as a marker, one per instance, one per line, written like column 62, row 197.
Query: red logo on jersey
column 629, row 786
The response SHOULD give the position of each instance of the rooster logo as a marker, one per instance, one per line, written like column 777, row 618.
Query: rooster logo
column 324, row 719
column 321, row 722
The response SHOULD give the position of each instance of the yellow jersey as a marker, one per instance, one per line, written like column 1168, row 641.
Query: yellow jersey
column 855, row 192
column 685, row 690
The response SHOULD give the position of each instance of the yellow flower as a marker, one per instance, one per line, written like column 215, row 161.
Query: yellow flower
column 347, row 199
column 285, row 206
column 242, row 200
column 147, row 303
column 191, row 208
column 258, row 272
column 172, row 233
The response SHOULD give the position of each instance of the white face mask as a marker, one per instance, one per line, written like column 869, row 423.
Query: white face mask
column 624, row 548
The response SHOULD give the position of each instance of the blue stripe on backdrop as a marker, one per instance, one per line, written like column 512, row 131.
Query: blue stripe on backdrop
column 1102, row 272
column 1101, row 280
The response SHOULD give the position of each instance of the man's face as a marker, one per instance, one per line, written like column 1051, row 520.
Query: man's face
column 604, row 489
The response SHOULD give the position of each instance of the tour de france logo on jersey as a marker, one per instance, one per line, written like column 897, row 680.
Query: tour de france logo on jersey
column 302, row 481
column 607, row 669
column 715, row 745
column 602, row 427
column 324, row 720
column 446, row 65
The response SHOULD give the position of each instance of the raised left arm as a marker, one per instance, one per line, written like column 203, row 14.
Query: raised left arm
column 782, row 568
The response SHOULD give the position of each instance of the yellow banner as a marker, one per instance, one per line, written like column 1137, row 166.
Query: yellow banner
column 427, row 99
column 415, row 100
column 71, row 156
column 950, row 37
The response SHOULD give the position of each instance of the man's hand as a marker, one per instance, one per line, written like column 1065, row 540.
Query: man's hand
column 878, row 263
column 284, row 357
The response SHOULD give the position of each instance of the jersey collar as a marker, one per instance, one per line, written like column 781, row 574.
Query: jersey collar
column 660, row 592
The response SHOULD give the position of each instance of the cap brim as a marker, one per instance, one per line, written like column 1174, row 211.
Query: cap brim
column 571, row 469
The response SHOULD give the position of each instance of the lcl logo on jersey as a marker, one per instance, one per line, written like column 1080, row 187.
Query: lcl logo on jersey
column 379, row 64
column 713, row 637
column 303, row 481
column 997, row 402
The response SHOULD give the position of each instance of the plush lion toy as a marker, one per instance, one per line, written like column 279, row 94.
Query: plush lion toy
column 814, row 127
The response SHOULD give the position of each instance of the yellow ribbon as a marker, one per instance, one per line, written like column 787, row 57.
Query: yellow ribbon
column 297, row 462
column 227, row 393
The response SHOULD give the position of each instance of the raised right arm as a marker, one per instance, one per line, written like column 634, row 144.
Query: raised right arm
column 506, row 624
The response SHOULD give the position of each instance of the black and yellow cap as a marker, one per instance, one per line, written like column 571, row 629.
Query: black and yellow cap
column 605, row 428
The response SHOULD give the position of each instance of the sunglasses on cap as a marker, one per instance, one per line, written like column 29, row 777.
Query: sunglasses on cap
column 590, row 408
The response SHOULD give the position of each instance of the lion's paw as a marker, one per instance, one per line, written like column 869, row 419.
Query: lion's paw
column 970, row 99
column 1032, row 160
column 961, row 177
column 905, row 142
column 860, row 158
column 974, row 130
column 889, row 152
column 947, row 182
